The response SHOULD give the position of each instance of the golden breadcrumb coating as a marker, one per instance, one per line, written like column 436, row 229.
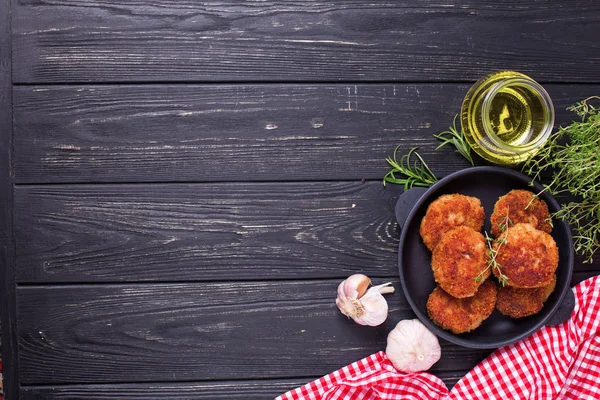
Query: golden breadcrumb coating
column 462, row 315
column 521, row 209
column 459, row 262
column 518, row 303
column 527, row 256
column 447, row 212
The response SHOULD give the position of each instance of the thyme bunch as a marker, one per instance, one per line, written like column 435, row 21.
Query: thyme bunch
column 413, row 172
column 572, row 156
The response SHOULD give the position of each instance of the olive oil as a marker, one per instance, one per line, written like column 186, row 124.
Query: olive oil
column 507, row 117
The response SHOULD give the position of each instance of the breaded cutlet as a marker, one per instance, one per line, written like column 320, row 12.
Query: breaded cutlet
column 527, row 256
column 521, row 206
column 462, row 315
column 459, row 262
column 519, row 303
column 447, row 212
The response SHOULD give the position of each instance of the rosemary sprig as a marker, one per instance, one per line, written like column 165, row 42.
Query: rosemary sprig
column 456, row 138
column 416, row 172
column 493, row 262
column 572, row 156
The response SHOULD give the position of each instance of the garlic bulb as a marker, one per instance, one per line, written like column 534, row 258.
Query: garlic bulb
column 366, row 307
column 411, row 347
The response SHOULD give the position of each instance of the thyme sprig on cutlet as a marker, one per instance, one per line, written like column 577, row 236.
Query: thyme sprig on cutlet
column 493, row 252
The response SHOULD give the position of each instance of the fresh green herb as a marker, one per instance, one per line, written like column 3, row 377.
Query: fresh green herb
column 572, row 156
column 456, row 138
column 493, row 252
column 506, row 222
column 415, row 171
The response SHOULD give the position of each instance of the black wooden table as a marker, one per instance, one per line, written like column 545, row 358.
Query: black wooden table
column 184, row 184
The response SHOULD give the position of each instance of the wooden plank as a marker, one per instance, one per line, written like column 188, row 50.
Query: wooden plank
column 236, row 133
column 201, row 332
column 216, row 133
column 6, row 125
column 198, row 332
column 190, row 232
column 246, row 390
column 182, row 40
column 225, row 390
column 8, row 332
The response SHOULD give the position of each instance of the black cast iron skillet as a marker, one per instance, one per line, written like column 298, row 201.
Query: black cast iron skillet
column 486, row 183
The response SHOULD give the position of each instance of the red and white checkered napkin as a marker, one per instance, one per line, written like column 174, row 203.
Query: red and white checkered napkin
column 560, row 362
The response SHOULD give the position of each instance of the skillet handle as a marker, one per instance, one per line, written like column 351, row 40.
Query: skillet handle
column 406, row 202
column 565, row 309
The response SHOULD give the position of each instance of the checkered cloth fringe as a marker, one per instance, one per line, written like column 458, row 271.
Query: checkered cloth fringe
column 556, row 362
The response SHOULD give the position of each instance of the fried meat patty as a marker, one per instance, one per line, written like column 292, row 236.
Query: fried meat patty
column 459, row 262
column 519, row 303
column 462, row 315
column 449, row 211
column 527, row 256
column 516, row 204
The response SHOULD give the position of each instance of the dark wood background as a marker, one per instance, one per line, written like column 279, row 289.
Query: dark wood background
column 184, row 184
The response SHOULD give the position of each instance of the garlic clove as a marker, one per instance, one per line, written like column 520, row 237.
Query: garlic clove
column 349, row 291
column 364, row 307
column 354, row 286
column 411, row 347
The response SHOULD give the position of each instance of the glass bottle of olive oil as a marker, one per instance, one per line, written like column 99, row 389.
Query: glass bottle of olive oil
column 507, row 117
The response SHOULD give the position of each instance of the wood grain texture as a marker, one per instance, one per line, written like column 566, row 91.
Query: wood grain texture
column 225, row 390
column 8, row 331
column 182, row 40
column 186, row 240
column 224, row 133
column 198, row 332
column 236, row 133
column 191, row 232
